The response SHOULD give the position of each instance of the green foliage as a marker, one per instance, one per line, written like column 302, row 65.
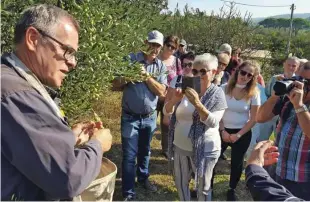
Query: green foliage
column 298, row 23
column 110, row 30
column 208, row 32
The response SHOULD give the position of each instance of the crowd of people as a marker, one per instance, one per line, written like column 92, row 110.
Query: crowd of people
column 43, row 158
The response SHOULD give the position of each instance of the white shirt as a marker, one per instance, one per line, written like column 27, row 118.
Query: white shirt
column 238, row 112
column 184, row 121
column 174, row 81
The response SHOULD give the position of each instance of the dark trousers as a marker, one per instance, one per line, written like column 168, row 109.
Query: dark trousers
column 298, row 189
column 164, row 129
column 238, row 150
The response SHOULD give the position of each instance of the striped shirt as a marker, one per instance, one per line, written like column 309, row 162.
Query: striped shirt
column 294, row 146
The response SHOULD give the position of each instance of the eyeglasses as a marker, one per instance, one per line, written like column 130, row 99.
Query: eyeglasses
column 171, row 46
column 69, row 53
column 184, row 65
column 202, row 72
column 244, row 73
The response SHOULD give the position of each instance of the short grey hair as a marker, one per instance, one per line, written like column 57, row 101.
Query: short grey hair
column 294, row 58
column 208, row 60
column 303, row 60
column 44, row 17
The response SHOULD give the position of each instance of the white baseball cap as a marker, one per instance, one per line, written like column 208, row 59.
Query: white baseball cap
column 225, row 48
column 155, row 37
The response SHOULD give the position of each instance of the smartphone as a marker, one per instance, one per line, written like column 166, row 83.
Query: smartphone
column 192, row 82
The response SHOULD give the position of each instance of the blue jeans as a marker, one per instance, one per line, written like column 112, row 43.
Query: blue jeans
column 136, row 138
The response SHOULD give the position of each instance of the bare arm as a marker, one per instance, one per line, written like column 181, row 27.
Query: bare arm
column 156, row 87
column 304, row 121
column 249, row 125
column 265, row 112
column 202, row 110
column 170, row 93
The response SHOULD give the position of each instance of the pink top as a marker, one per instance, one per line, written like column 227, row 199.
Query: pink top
column 174, row 67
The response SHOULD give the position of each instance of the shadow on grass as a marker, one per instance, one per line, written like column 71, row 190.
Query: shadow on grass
column 158, row 164
column 163, row 194
column 169, row 193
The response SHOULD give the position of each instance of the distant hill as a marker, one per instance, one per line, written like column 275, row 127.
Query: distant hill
column 296, row 15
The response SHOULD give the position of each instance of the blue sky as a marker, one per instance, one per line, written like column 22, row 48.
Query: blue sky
column 302, row 6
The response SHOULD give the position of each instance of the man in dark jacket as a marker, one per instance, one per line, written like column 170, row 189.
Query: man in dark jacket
column 260, row 184
column 39, row 160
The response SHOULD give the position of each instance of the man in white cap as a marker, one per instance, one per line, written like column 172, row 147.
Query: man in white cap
column 138, row 121
column 225, row 48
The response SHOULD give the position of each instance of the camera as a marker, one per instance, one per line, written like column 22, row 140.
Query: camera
column 286, row 85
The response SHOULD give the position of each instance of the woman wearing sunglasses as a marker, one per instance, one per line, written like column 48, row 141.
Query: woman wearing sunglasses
column 194, row 140
column 174, row 68
column 243, row 100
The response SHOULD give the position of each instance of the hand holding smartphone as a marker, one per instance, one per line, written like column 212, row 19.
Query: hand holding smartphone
column 191, row 82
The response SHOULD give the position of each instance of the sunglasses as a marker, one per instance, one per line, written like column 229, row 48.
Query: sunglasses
column 171, row 46
column 184, row 65
column 202, row 72
column 223, row 64
column 181, row 45
column 244, row 73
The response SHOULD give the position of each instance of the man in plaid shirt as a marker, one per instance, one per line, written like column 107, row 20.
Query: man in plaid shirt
column 293, row 135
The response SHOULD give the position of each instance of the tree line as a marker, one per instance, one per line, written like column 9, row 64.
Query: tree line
column 111, row 29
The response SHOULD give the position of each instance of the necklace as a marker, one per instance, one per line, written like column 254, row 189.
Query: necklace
column 240, row 86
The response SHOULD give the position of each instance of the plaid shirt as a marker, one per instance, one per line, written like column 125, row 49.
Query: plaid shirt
column 294, row 146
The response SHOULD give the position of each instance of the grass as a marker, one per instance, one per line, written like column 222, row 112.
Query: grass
column 109, row 109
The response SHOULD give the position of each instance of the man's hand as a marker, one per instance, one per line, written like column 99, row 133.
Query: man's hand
column 264, row 154
column 143, row 71
column 104, row 137
column 83, row 131
column 296, row 95
column 192, row 96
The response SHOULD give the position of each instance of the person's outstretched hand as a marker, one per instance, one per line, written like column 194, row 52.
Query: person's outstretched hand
column 264, row 154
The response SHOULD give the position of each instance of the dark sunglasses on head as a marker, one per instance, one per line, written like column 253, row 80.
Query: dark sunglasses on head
column 184, row 65
column 244, row 73
column 202, row 72
column 170, row 46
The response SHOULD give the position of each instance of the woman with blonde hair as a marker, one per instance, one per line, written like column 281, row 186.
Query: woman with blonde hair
column 243, row 101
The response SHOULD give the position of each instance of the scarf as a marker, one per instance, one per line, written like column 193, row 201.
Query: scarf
column 213, row 100
column 25, row 73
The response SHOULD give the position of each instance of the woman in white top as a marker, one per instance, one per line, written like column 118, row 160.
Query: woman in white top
column 194, row 139
column 243, row 100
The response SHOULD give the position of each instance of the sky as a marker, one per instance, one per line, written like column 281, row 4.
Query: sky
column 302, row 6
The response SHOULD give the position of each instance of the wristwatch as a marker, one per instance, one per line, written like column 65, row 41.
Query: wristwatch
column 304, row 108
column 238, row 135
